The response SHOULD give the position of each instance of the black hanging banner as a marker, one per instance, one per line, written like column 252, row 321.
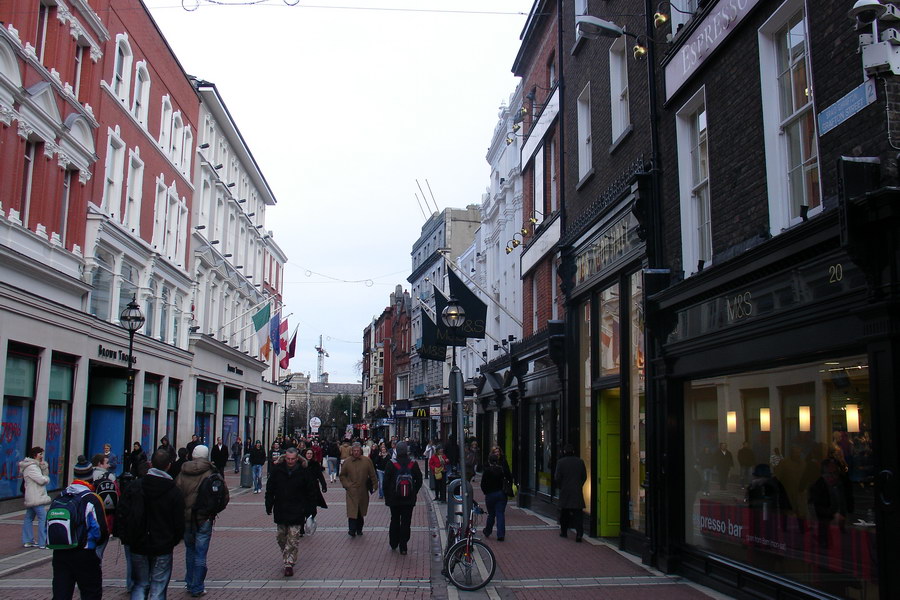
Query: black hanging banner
column 476, row 309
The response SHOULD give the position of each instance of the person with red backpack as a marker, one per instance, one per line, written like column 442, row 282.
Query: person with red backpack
column 402, row 481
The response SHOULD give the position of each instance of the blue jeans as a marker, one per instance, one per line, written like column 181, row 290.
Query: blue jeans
column 380, row 483
column 257, row 477
column 27, row 525
column 150, row 573
column 496, row 506
column 196, row 545
column 237, row 463
column 333, row 463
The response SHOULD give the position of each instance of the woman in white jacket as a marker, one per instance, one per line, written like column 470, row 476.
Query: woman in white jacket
column 35, row 475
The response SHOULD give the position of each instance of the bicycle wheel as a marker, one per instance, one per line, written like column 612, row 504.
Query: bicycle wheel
column 470, row 564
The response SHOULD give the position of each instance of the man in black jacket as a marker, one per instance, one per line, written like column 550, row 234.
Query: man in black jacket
column 291, row 494
column 152, row 514
column 395, row 473
column 219, row 456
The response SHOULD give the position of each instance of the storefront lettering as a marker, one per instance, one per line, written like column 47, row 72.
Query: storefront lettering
column 235, row 370
column 114, row 354
column 739, row 306
column 53, row 431
column 11, row 431
column 722, row 526
column 610, row 244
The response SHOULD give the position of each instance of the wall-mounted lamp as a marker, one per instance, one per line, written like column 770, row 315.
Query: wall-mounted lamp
column 731, row 421
column 253, row 214
column 267, row 236
column 204, row 146
column 238, row 266
column 511, row 338
column 259, row 226
column 242, row 200
column 852, row 418
column 199, row 227
column 516, row 127
column 520, row 115
column 661, row 17
column 765, row 419
column 214, row 242
column 228, row 255
column 218, row 166
column 231, row 185
column 805, row 415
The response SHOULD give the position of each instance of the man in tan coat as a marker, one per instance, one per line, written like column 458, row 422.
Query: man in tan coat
column 359, row 479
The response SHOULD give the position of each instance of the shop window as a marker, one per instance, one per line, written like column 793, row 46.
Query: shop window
column 205, row 410
column 101, row 282
column 584, row 391
column 805, row 510
column 637, row 420
column 60, row 396
column 148, row 416
column 18, row 403
column 172, row 412
column 610, row 337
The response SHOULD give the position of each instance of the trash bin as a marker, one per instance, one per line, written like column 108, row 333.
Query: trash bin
column 455, row 517
column 246, row 472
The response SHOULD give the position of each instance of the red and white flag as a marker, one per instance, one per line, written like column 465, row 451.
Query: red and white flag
column 288, row 348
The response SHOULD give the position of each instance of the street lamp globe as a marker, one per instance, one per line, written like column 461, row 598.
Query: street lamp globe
column 132, row 318
column 453, row 315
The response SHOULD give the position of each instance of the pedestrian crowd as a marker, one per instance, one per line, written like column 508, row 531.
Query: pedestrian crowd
column 174, row 497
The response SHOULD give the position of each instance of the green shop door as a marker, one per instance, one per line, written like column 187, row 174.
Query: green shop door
column 609, row 476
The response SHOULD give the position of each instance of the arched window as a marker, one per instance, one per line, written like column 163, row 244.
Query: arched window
column 177, row 140
column 121, row 80
column 165, row 125
column 140, row 106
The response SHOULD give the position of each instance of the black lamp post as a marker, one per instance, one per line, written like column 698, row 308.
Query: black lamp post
column 286, row 386
column 454, row 317
column 131, row 319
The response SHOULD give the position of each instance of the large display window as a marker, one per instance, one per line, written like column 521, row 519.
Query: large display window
column 780, row 472
column 18, row 402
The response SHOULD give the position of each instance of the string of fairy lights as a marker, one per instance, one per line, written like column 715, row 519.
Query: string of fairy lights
column 192, row 5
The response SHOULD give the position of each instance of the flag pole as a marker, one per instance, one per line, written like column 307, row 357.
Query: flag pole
column 245, row 313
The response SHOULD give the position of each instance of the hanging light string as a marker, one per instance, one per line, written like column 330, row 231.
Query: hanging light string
column 368, row 282
column 192, row 5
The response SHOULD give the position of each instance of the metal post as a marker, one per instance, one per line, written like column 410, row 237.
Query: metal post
column 129, row 395
column 456, row 397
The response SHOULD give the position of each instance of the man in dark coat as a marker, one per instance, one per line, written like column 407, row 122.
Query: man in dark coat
column 401, row 508
column 291, row 495
column 152, row 544
column 570, row 477
column 724, row 463
column 165, row 445
column 219, row 455
column 195, row 441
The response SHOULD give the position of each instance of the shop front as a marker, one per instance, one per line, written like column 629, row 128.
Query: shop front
column 781, row 380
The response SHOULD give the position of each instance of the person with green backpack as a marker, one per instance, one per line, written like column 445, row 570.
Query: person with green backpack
column 76, row 528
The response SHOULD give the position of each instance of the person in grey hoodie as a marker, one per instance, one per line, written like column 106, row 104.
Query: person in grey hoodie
column 35, row 477
column 198, row 528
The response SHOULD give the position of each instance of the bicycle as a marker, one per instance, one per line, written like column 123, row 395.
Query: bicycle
column 469, row 563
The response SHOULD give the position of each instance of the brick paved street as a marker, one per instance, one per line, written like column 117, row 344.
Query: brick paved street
column 532, row 562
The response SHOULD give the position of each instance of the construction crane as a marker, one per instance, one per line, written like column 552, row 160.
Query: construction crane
column 320, row 349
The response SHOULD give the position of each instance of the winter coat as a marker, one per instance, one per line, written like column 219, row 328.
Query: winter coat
column 344, row 451
column 492, row 479
column 389, row 483
column 193, row 472
column 257, row 456
column 94, row 515
column 36, row 477
column 438, row 460
column 237, row 449
column 354, row 473
column 290, row 494
column 164, row 511
column 219, row 455
column 317, row 472
column 570, row 477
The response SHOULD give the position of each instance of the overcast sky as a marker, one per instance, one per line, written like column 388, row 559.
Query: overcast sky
column 345, row 104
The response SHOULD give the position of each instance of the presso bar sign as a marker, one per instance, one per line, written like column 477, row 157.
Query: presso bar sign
column 113, row 354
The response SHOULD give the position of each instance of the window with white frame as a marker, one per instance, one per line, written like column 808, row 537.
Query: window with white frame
column 41, row 39
column 792, row 158
column 78, row 65
column 164, row 313
column 554, row 292
column 131, row 217
column 534, row 304
column 187, row 151
column 177, row 139
column 31, row 153
column 159, row 215
column 176, row 215
column 554, row 194
column 539, row 179
column 681, row 12
column 693, row 180
column 101, row 284
column 150, row 308
column 65, row 201
column 115, row 171
column 618, row 88
column 165, row 124
column 121, row 80
column 585, row 154
column 140, row 105
column 128, row 285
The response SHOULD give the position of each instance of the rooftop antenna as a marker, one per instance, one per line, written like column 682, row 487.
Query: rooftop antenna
column 424, row 216
column 432, row 194
column 424, row 197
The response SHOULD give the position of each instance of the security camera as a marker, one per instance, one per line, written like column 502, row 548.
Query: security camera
column 866, row 12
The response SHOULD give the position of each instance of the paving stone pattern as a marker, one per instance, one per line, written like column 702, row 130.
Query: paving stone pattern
column 244, row 560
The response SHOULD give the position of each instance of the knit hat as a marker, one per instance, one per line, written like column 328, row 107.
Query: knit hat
column 83, row 468
column 200, row 451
